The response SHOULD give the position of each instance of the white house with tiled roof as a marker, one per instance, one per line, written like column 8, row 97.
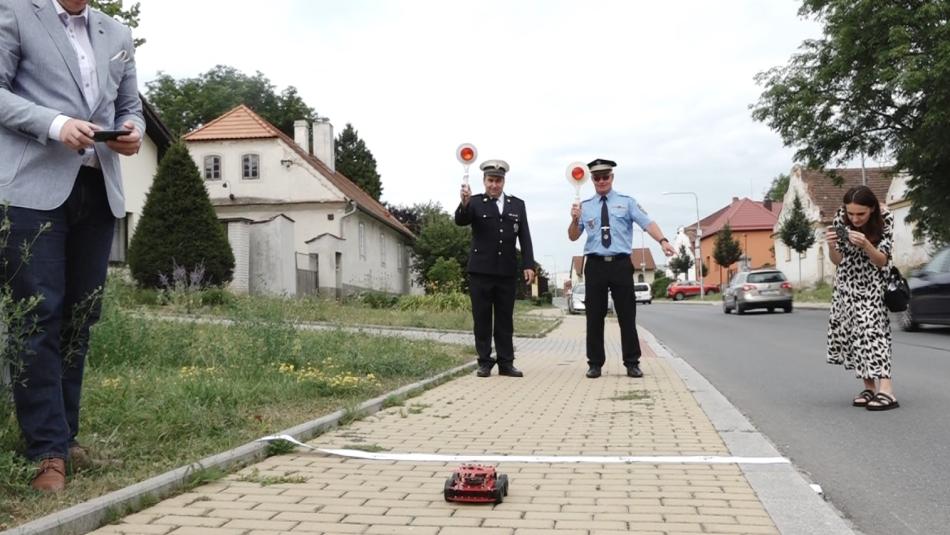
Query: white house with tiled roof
column 343, row 241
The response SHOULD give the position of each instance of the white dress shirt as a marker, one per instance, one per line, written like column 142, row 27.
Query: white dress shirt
column 77, row 31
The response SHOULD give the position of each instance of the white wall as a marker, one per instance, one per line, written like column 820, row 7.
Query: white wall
column 272, row 258
column 815, row 264
column 907, row 252
column 380, row 267
column 138, row 173
column 277, row 183
column 239, row 236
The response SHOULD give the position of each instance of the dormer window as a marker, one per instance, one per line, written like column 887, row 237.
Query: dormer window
column 212, row 167
column 250, row 167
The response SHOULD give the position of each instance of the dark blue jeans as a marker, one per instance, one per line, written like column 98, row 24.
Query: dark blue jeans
column 67, row 268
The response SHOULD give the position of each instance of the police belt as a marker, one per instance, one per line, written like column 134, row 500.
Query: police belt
column 607, row 258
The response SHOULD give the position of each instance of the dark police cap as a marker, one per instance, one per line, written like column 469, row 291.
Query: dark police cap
column 601, row 166
column 495, row 168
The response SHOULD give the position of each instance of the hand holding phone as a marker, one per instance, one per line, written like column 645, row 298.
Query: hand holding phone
column 842, row 233
column 109, row 135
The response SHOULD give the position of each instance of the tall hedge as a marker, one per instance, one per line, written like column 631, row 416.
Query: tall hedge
column 179, row 227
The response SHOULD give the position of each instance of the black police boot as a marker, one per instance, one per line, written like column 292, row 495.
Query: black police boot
column 593, row 372
column 509, row 371
column 634, row 371
column 484, row 370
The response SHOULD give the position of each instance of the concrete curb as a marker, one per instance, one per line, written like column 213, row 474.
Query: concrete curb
column 785, row 493
column 90, row 515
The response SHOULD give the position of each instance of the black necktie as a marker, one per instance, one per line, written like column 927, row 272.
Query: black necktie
column 604, row 223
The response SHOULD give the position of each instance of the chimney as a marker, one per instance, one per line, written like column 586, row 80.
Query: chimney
column 302, row 134
column 767, row 203
column 735, row 199
column 323, row 142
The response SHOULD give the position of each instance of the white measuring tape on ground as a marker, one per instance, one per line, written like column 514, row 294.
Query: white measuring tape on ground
column 557, row 459
column 546, row 459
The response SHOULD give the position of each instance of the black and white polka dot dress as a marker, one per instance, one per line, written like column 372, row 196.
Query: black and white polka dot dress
column 859, row 329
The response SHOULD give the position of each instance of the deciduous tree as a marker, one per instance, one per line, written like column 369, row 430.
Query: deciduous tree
column 876, row 83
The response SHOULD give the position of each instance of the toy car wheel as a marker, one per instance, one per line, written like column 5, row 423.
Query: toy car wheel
column 503, row 484
column 448, row 492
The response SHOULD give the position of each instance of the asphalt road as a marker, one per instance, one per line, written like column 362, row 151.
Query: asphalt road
column 889, row 472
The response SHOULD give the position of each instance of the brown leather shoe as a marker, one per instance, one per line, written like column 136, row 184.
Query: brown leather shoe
column 50, row 475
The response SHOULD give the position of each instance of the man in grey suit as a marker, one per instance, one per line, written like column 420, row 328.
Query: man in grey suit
column 66, row 72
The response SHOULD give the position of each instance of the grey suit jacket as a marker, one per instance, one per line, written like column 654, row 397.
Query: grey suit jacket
column 40, row 79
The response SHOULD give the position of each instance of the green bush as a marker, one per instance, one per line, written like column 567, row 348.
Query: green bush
column 378, row 300
column 179, row 228
column 445, row 276
column 658, row 289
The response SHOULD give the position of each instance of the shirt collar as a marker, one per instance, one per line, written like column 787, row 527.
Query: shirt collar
column 64, row 15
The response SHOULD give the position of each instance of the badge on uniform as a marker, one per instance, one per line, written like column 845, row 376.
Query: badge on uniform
column 590, row 224
column 515, row 218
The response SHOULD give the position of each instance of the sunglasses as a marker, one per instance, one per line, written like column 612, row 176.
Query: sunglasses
column 602, row 178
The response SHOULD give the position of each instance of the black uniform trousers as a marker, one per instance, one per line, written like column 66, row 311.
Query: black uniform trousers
column 493, row 305
column 615, row 276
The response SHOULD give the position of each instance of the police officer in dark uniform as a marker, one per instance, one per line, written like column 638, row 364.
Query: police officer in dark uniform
column 497, row 220
column 608, row 219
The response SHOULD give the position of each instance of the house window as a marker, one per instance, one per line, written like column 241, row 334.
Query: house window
column 382, row 250
column 120, row 241
column 362, row 241
column 212, row 167
column 250, row 167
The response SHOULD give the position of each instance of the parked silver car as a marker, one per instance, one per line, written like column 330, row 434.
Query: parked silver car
column 575, row 303
column 761, row 288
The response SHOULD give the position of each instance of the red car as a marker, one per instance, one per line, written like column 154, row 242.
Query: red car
column 680, row 290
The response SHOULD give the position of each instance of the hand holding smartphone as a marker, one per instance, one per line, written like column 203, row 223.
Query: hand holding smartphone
column 109, row 135
column 842, row 233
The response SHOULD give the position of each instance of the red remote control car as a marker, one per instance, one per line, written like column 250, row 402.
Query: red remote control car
column 475, row 483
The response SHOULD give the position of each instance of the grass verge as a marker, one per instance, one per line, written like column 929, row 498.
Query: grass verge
column 316, row 309
column 159, row 395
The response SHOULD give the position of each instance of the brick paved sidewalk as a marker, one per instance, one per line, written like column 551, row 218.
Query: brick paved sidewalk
column 553, row 410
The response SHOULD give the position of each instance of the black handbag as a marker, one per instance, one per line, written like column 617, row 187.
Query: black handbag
column 897, row 293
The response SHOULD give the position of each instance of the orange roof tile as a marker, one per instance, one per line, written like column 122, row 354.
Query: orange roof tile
column 642, row 255
column 239, row 123
column 741, row 214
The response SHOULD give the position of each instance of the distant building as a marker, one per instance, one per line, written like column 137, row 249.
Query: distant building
column 287, row 211
column 752, row 224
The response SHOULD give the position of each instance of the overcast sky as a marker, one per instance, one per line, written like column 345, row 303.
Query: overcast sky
column 663, row 88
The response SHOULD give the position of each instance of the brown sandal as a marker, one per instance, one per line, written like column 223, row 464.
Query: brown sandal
column 863, row 398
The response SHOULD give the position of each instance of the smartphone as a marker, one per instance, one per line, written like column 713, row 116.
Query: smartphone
column 109, row 135
column 842, row 233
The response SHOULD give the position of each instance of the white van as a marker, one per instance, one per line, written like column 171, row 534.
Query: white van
column 642, row 293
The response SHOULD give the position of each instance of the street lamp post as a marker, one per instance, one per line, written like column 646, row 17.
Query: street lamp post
column 699, row 234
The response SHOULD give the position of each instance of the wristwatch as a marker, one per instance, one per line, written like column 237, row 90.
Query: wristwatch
column 664, row 240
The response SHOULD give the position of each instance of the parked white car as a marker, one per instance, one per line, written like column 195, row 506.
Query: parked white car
column 575, row 303
column 642, row 293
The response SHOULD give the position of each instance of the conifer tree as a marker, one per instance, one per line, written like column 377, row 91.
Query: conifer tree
column 797, row 233
column 179, row 227
column 356, row 162
column 727, row 250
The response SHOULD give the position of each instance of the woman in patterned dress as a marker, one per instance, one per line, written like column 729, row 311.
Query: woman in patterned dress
column 859, row 329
